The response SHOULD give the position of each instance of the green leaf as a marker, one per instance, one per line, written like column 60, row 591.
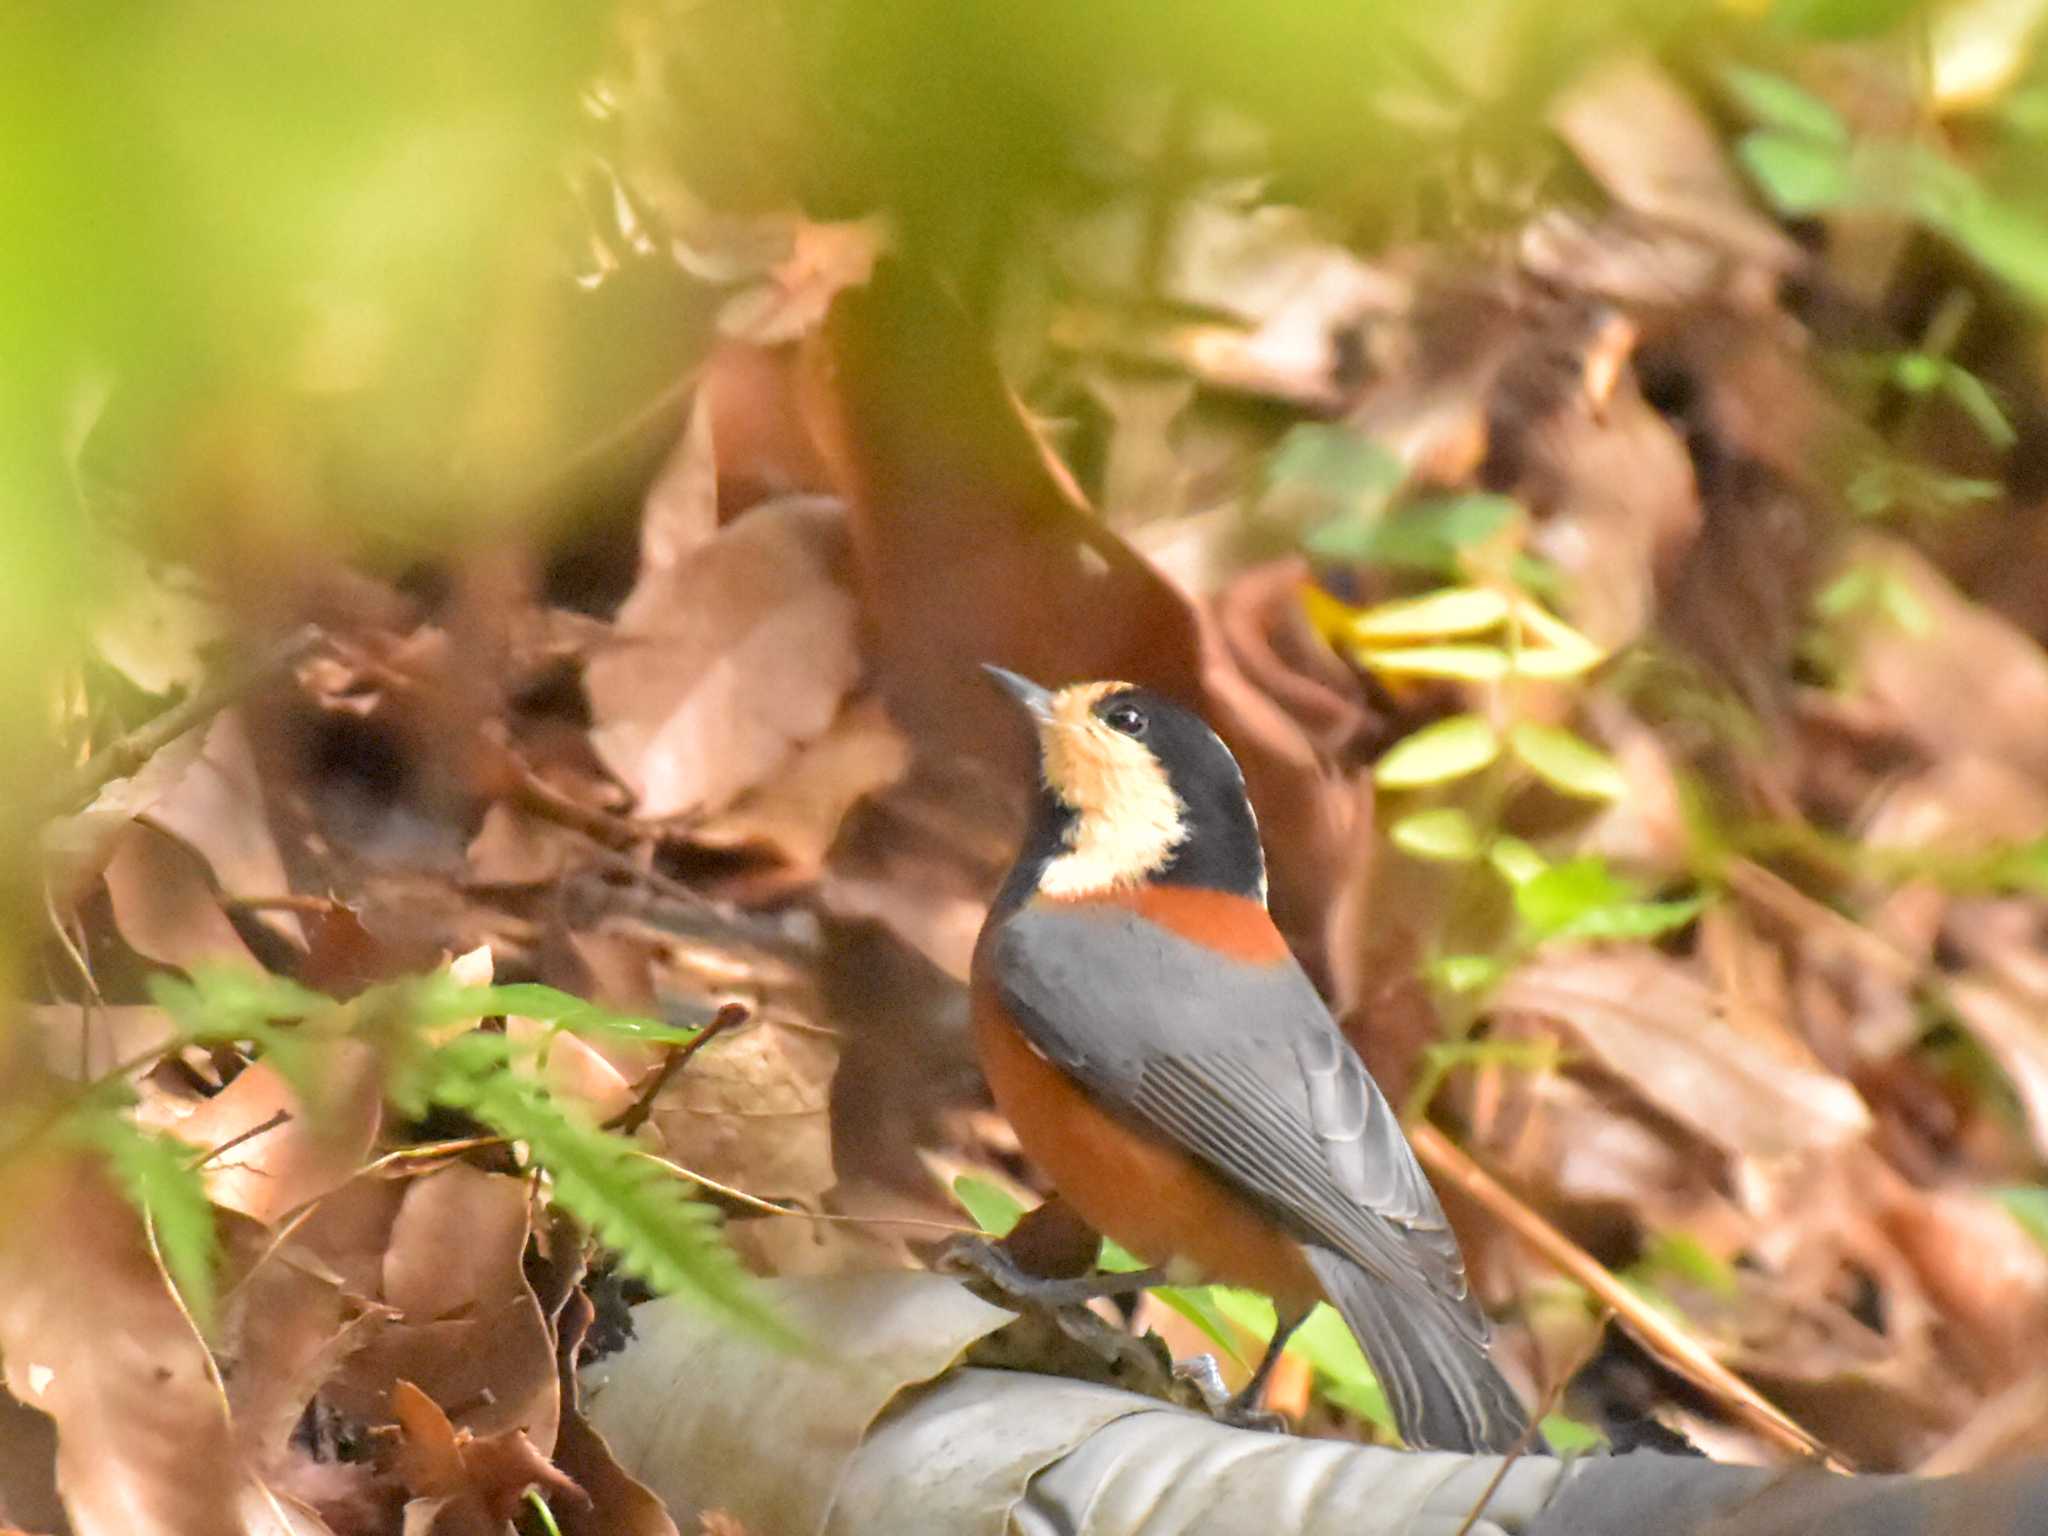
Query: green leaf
column 2007, row 239
column 1444, row 836
column 228, row 1003
column 156, row 1174
column 1842, row 20
column 1583, row 899
column 1855, row 588
column 1632, row 920
column 1438, row 753
column 1515, row 861
column 1566, row 892
column 1326, row 1344
column 1777, row 102
column 1471, row 663
column 1452, row 611
column 1974, row 398
column 1352, row 470
column 1567, row 762
column 1916, row 373
column 1429, row 536
column 1461, row 974
column 2020, row 868
column 1683, row 1255
column 1798, row 174
column 994, row 1209
column 1569, row 1436
column 2029, row 1206
column 439, row 999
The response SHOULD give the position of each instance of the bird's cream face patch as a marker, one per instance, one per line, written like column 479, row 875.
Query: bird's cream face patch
column 1127, row 819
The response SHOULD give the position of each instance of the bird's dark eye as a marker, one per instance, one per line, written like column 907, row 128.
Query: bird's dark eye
column 1127, row 718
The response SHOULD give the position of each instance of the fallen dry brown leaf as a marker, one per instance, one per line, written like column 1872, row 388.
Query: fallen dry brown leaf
column 795, row 816
column 754, row 1110
column 725, row 662
column 1652, row 1024
column 317, row 1148
column 474, row 1483
column 216, row 807
column 164, row 904
column 287, row 1323
column 94, row 1337
column 446, row 1255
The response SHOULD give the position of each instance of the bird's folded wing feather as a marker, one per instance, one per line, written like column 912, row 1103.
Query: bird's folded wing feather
column 1241, row 1066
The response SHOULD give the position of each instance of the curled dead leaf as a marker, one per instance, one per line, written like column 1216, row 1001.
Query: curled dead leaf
column 480, row 1479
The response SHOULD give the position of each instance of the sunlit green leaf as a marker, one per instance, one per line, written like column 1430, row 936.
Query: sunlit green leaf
column 1550, row 647
column 1461, row 974
column 1469, row 663
column 995, row 1210
column 1800, row 175
column 1516, row 861
column 1566, row 892
column 1569, row 1436
column 2029, row 1206
column 1974, row 398
column 1567, row 762
column 1445, row 835
column 1584, row 899
column 1438, row 753
column 1453, row 611
column 1842, row 20
column 1195, row 1303
column 650, row 1218
column 1777, row 102
column 1324, row 1341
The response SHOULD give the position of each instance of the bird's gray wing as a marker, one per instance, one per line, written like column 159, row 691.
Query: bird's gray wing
column 1241, row 1065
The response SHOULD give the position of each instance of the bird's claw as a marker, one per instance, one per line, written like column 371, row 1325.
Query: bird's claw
column 1201, row 1373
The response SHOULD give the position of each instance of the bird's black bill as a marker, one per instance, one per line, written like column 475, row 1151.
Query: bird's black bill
column 1036, row 700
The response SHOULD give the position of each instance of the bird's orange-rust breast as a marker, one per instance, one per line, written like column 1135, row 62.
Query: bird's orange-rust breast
column 1156, row 1200
column 1231, row 925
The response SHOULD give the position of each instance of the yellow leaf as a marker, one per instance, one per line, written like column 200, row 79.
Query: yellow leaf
column 1453, row 611
column 1438, row 753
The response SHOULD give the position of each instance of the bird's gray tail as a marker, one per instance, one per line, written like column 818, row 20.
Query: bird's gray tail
column 1429, row 1353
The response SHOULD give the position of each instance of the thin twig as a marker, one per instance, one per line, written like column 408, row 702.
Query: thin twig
column 770, row 1208
column 314, row 906
column 634, row 1115
column 282, row 1117
column 1530, row 1430
column 1662, row 1337
column 125, row 755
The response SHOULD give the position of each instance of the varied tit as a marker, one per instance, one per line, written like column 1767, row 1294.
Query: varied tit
column 1167, row 1062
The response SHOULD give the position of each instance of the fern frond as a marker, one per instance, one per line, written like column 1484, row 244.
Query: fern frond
column 156, row 1174
column 659, row 1230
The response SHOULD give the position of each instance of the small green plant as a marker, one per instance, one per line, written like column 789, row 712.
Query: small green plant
column 1804, row 157
column 423, row 1031
column 1487, row 627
